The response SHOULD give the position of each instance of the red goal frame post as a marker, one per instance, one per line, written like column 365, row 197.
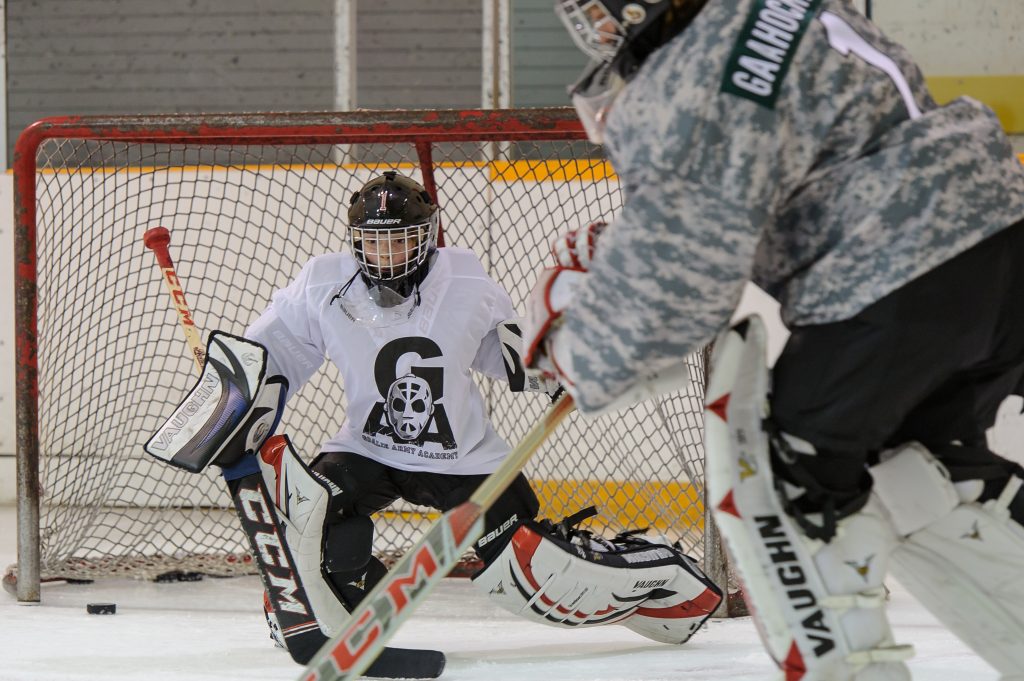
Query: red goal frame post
column 421, row 130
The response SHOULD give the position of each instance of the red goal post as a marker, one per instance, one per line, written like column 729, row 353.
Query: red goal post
column 248, row 198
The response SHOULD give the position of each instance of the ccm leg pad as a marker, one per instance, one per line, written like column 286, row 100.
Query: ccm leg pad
column 300, row 501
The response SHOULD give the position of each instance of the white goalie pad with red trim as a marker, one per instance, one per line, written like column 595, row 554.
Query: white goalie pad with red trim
column 300, row 500
column 819, row 607
column 652, row 589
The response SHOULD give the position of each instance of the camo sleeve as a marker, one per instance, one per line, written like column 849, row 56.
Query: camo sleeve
column 786, row 142
column 647, row 300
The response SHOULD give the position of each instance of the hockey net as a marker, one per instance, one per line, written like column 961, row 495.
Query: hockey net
column 248, row 199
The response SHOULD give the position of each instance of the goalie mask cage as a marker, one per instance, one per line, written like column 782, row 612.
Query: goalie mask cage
column 248, row 199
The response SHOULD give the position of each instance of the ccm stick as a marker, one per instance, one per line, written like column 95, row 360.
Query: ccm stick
column 254, row 507
column 376, row 619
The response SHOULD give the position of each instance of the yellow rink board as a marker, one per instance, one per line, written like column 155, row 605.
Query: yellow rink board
column 619, row 503
column 1003, row 94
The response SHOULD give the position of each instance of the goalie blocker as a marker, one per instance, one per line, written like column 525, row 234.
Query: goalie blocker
column 559, row 575
column 232, row 409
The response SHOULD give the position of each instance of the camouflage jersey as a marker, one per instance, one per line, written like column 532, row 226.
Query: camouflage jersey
column 785, row 142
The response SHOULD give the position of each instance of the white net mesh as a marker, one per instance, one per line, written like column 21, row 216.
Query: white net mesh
column 243, row 219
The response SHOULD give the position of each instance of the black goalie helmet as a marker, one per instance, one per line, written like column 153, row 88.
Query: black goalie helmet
column 603, row 29
column 617, row 36
column 393, row 231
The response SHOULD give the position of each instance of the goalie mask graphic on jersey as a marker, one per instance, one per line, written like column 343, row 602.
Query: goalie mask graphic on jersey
column 410, row 406
column 410, row 414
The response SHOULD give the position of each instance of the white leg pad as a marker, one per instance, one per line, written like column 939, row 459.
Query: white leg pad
column 965, row 563
column 649, row 588
column 819, row 607
column 300, row 500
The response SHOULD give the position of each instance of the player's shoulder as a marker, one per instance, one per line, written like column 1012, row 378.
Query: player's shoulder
column 330, row 267
column 462, row 263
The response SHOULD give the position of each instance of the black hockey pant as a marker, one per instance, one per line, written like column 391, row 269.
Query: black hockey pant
column 368, row 486
column 931, row 362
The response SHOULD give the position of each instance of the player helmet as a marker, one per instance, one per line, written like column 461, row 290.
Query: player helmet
column 618, row 36
column 393, row 231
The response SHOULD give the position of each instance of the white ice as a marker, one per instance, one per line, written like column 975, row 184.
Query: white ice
column 213, row 630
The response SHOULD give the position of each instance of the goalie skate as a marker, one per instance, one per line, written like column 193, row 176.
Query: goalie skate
column 818, row 606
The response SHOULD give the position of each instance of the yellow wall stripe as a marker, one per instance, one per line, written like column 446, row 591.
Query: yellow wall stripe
column 1004, row 94
column 554, row 170
column 557, row 170
column 621, row 504
column 560, row 170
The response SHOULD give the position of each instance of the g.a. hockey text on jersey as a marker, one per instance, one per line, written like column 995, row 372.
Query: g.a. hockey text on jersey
column 765, row 47
column 411, row 401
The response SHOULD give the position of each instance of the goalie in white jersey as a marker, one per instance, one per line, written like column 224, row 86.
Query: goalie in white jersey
column 407, row 324
column 792, row 144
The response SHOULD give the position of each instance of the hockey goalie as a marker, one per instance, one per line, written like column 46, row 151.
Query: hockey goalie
column 407, row 324
column 794, row 145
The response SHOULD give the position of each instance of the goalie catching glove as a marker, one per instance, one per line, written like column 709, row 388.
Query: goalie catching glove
column 575, row 249
column 548, row 356
column 560, row 575
column 231, row 410
column 573, row 253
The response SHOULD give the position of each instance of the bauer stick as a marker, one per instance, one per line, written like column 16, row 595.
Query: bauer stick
column 394, row 598
column 399, row 663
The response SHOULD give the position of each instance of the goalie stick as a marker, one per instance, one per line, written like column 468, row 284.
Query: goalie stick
column 266, row 535
column 394, row 598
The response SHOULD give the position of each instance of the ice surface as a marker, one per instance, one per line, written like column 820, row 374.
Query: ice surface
column 214, row 630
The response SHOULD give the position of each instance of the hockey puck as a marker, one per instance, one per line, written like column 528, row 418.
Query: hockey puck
column 101, row 608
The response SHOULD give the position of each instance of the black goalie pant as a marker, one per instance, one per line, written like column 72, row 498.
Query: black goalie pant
column 368, row 486
column 930, row 362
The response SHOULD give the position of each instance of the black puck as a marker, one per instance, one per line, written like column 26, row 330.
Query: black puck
column 101, row 608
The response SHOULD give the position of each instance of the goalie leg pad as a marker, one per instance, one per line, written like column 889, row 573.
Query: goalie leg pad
column 962, row 559
column 301, row 499
column 232, row 409
column 819, row 606
column 652, row 589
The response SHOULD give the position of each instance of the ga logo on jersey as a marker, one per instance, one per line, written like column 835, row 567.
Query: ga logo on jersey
column 410, row 411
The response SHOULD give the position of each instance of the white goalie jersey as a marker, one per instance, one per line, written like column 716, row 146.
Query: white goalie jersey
column 411, row 399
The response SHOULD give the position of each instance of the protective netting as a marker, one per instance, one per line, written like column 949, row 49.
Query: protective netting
column 243, row 219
